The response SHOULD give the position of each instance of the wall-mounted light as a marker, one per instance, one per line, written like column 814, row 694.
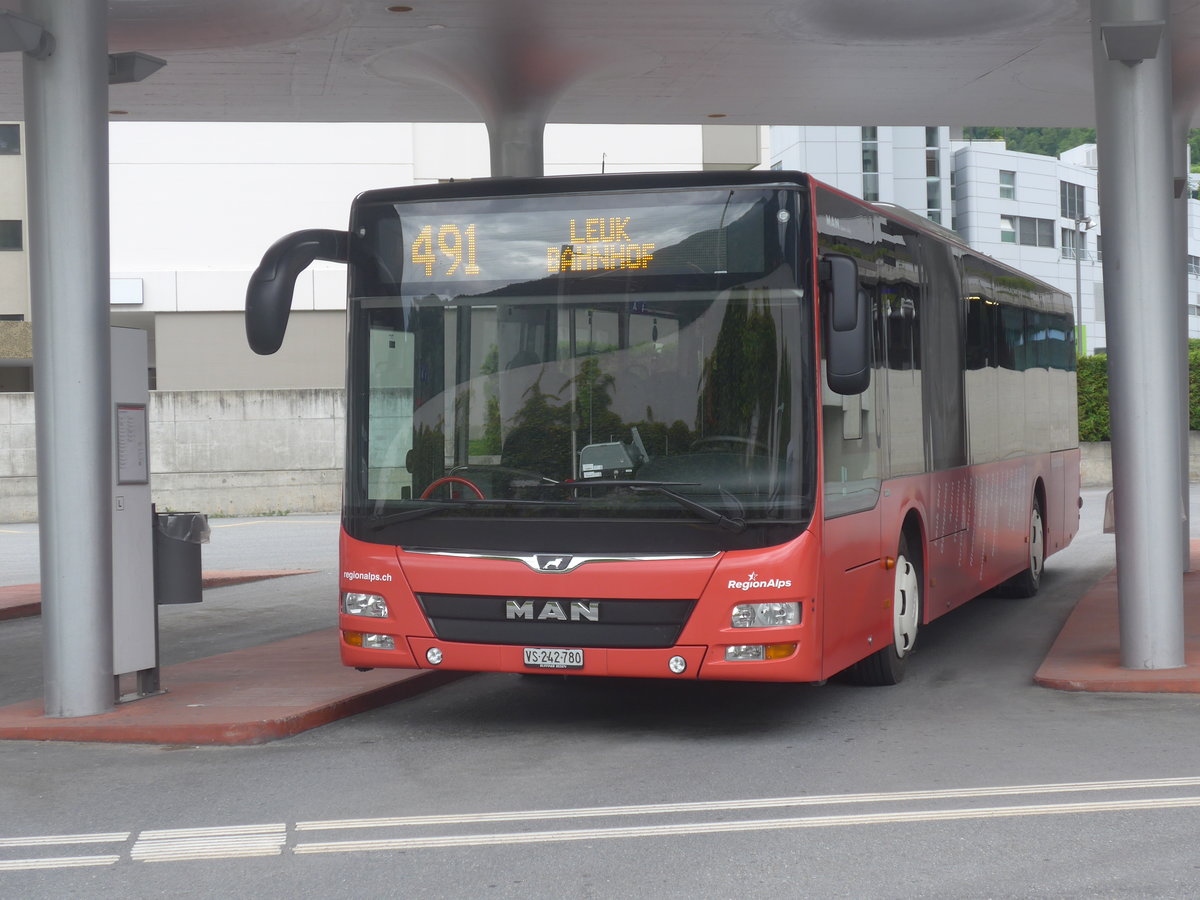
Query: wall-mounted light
column 132, row 66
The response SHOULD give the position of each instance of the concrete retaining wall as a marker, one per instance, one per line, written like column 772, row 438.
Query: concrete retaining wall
column 242, row 453
column 224, row 453
column 1095, row 462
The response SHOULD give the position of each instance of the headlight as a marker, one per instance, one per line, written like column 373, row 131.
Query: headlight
column 751, row 652
column 765, row 615
column 364, row 605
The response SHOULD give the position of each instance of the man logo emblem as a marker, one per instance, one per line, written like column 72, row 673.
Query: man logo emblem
column 552, row 610
column 554, row 563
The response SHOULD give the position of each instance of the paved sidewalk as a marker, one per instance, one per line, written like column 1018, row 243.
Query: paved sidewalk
column 20, row 600
column 283, row 687
column 244, row 697
column 1086, row 656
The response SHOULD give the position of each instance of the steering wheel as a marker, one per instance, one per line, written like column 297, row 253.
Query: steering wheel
column 451, row 479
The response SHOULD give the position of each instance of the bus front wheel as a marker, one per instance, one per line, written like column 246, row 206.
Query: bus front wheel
column 886, row 666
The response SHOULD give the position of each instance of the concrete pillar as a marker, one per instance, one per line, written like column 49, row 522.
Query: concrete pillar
column 1132, row 69
column 1180, row 126
column 66, row 114
column 516, row 138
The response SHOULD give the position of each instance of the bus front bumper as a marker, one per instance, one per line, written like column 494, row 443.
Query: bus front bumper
column 679, row 662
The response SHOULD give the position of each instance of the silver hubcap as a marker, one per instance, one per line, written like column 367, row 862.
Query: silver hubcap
column 1037, row 544
column 905, row 605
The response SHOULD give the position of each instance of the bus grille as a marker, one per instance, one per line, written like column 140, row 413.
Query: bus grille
column 556, row 622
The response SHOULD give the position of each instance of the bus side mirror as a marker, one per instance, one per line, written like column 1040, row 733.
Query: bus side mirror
column 847, row 326
column 269, row 294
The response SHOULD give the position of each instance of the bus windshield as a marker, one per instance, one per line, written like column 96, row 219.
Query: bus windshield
column 559, row 359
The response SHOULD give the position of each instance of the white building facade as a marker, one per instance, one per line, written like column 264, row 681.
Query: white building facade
column 194, row 206
column 906, row 165
column 1040, row 215
column 1037, row 213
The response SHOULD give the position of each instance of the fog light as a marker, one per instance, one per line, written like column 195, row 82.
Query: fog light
column 743, row 652
column 434, row 655
column 378, row 642
column 354, row 604
column 677, row 664
column 765, row 615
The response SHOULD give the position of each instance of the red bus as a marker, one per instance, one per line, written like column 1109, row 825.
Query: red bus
column 709, row 425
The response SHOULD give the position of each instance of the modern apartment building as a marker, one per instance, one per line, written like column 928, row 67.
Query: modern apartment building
column 16, row 335
column 1037, row 213
column 1041, row 215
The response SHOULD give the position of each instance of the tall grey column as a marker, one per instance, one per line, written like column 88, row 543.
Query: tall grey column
column 1181, row 120
column 1132, row 68
column 66, row 113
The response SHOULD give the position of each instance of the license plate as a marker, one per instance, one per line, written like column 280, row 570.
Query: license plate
column 544, row 658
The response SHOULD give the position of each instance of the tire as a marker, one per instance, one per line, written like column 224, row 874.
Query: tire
column 1026, row 584
column 886, row 666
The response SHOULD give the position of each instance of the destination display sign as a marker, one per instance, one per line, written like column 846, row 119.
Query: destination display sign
column 472, row 241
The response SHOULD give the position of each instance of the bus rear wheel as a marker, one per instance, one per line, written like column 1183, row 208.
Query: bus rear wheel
column 1026, row 583
column 886, row 666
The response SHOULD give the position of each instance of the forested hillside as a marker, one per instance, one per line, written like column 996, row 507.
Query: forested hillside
column 1053, row 141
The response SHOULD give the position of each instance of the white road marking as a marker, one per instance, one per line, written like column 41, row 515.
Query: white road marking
column 172, row 845
column 62, row 862
column 591, row 834
column 227, row 842
column 764, row 803
column 111, row 837
column 57, row 862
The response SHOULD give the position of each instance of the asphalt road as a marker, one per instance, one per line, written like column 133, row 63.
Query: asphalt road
column 964, row 781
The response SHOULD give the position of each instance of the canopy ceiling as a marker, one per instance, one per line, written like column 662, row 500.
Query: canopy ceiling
column 814, row 62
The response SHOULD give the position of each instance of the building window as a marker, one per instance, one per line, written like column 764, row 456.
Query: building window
column 1193, row 265
column 870, row 162
column 1074, row 244
column 935, row 216
column 870, row 186
column 1035, row 232
column 1008, row 185
column 1027, row 231
column 10, row 140
column 11, row 235
column 933, row 174
column 1193, row 310
column 1098, row 301
column 1071, row 200
column 933, row 193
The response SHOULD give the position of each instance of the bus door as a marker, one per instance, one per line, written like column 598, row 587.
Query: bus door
column 855, row 598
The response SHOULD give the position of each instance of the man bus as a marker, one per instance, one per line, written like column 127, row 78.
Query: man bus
column 709, row 425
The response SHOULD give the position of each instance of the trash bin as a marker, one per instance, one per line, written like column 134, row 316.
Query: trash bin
column 177, row 540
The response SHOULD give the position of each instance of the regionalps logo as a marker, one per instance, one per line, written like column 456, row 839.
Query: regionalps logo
column 752, row 581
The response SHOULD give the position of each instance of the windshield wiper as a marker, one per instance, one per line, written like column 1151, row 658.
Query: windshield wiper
column 421, row 512
column 736, row 524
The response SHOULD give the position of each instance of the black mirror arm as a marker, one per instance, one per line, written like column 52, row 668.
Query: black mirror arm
column 269, row 293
